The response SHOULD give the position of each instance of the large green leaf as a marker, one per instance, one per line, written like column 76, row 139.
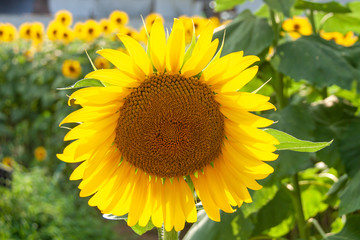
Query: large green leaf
column 321, row 62
column 350, row 148
column 246, row 32
column 350, row 197
column 345, row 22
column 334, row 7
column 283, row 6
column 288, row 142
column 232, row 226
column 351, row 230
column 222, row 5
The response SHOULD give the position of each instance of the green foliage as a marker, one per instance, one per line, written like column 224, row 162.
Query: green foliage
column 247, row 32
column 222, row 5
column 327, row 7
column 36, row 208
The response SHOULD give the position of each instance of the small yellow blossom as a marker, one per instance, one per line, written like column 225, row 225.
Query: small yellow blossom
column 71, row 68
column 64, row 17
column 40, row 153
column 297, row 27
column 101, row 63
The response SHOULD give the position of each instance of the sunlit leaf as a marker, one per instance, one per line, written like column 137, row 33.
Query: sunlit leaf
column 222, row 5
column 283, row 6
column 334, row 7
column 351, row 230
column 288, row 142
column 84, row 83
column 350, row 197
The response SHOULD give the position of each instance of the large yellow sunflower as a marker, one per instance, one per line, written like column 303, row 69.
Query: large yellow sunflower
column 166, row 121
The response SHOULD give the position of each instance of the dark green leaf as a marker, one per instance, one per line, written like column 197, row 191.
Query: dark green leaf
column 288, row 142
column 327, row 7
column 338, row 186
column 350, row 148
column 260, row 199
column 246, row 32
column 222, row 5
column 350, row 197
column 232, row 226
column 316, row 60
column 84, row 83
column 351, row 230
column 283, row 6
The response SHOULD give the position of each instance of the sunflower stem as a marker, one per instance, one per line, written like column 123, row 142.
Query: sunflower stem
column 299, row 212
column 312, row 20
column 172, row 235
column 275, row 27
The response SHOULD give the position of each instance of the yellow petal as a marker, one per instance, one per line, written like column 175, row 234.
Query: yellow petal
column 158, row 45
column 113, row 77
column 137, row 53
column 241, row 80
column 175, row 48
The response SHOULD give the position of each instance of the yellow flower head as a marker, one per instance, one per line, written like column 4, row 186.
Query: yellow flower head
column 66, row 35
column 91, row 30
column 71, row 68
column 215, row 20
column 78, row 30
column 101, row 63
column 53, row 30
column 131, row 32
column 7, row 32
column 165, row 121
column 25, row 31
column 107, row 27
column 8, row 161
column 40, row 153
column 297, row 26
column 37, row 32
column 150, row 19
column 64, row 17
column 188, row 26
column 199, row 23
column 119, row 18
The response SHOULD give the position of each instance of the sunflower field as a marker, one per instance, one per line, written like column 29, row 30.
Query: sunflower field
column 191, row 128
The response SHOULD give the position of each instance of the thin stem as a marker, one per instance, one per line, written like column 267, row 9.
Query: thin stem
column 275, row 27
column 299, row 212
column 318, row 227
column 312, row 20
column 160, row 233
column 279, row 90
column 172, row 235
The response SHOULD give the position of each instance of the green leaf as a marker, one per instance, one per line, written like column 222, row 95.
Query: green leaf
column 327, row 7
column 345, row 22
column 84, row 83
column 232, row 226
column 141, row 230
column 350, row 197
column 283, row 6
column 222, row 5
column 350, row 148
column 260, row 199
column 351, row 230
column 246, row 32
column 321, row 62
column 288, row 142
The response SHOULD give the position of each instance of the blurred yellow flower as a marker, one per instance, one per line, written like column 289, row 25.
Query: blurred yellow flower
column 40, row 153
column 37, row 32
column 199, row 24
column 131, row 32
column 188, row 27
column 297, row 26
column 101, row 63
column 215, row 20
column 150, row 19
column 64, row 17
column 66, row 35
column 52, row 30
column 71, row 68
column 107, row 27
column 78, row 30
column 91, row 30
column 119, row 18
column 346, row 40
column 8, row 161
column 25, row 31
column 7, row 32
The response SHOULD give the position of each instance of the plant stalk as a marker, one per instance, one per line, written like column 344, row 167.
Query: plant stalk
column 164, row 235
column 312, row 21
column 299, row 212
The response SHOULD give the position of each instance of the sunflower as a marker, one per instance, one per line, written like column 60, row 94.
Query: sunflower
column 40, row 153
column 165, row 122
column 37, row 32
column 188, row 27
column 7, row 32
column 150, row 19
column 66, row 35
column 71, row 68
column 199, row 23
column 107, row 27
column 52, row 30
column 119, row 18
column 64, row 17
column 101, row 63
column 297, row 27
column 91, row 30
column 78, row 30
column 25, row 31
column 8, row 161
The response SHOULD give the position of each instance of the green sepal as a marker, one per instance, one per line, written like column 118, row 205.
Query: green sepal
column 288, row 142
column 86, row 82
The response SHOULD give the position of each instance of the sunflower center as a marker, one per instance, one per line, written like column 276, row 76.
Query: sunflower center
column 170, row 126
column 297, row 27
